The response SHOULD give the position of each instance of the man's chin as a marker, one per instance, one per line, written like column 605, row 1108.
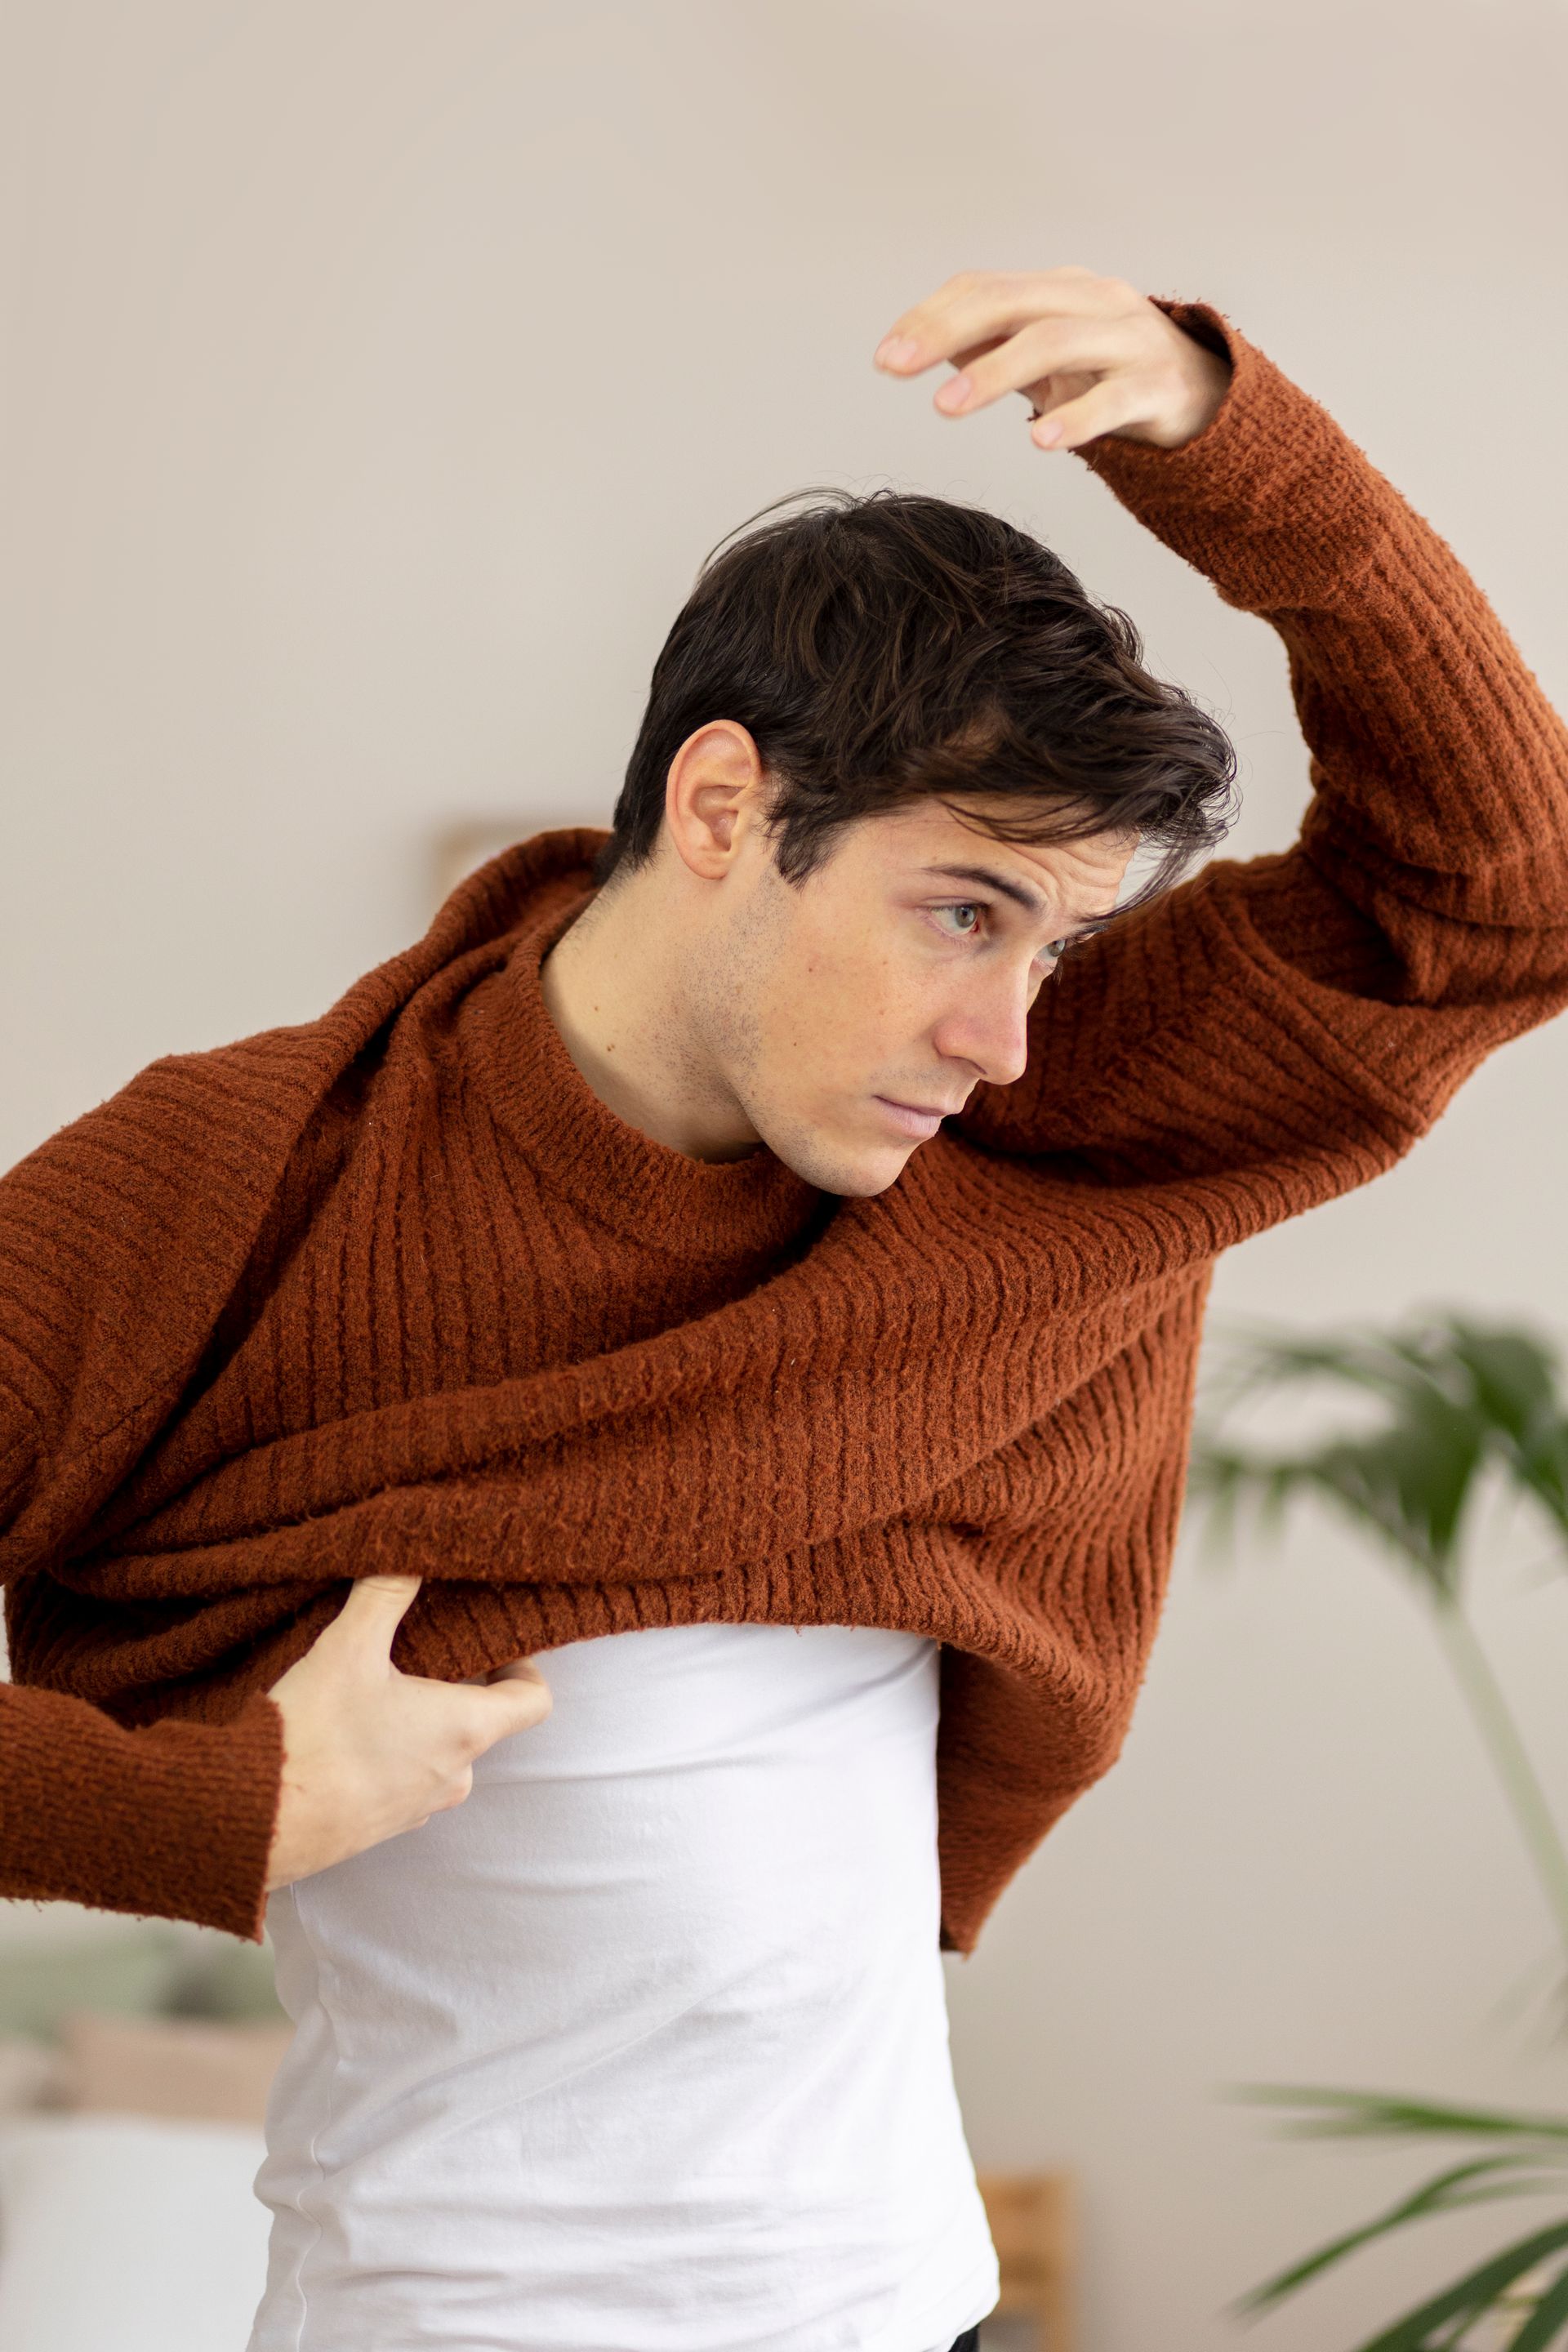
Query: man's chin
column 854, row 1171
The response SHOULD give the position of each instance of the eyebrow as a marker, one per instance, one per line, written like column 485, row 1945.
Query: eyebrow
column 1077, row 927
column 1019, row 892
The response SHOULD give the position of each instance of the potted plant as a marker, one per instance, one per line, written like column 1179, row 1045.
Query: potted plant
column 1455, row 1406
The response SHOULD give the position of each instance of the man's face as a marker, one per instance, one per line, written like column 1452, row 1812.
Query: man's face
column 847, row 1014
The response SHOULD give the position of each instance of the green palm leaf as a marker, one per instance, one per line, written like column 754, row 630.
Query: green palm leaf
column 1411, row 1480
column 1533, row 2163
column 1482, row 2181
column 1547, row 2321
column 1457, row 1405
column 1472, row 2297
column 1513, row 1375
column 1353, row 2114
column 1461, row 1398
column 1460, row 1401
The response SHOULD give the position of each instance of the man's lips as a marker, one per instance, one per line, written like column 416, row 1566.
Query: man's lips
column 914, row 1119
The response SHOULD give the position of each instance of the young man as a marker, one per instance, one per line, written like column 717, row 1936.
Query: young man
column 776, row 1237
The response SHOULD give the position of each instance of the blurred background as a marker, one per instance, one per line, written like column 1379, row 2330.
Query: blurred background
column 378, row 375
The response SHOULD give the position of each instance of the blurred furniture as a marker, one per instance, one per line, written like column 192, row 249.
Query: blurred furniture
column 129, row 2233
column 136, row 2057
column 467, row 842
column 1033, row 2226
column 185, row 2068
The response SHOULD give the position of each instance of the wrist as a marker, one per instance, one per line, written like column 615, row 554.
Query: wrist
column 1209, row 382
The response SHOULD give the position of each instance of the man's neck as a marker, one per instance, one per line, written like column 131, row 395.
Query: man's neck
column 616, row 986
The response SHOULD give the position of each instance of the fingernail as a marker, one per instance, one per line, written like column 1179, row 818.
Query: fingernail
column 1045, row 432
column 955, row 393
column 896, row 351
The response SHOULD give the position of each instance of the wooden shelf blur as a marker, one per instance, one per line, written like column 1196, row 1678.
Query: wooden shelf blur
column 1033, row 2217
column 466, row 842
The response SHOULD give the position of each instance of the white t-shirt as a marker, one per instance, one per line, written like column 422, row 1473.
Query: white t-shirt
column 644, row 2048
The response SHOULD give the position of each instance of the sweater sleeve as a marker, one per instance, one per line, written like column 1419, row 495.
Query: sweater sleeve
column 1295, row 1021
column 175, row 1822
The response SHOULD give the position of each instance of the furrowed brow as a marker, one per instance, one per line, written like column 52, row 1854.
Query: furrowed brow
column 1004, row 888
column 1074, row 927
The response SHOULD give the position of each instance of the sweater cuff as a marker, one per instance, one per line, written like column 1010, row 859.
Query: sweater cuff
column 1272, row 501
column 175, row 1822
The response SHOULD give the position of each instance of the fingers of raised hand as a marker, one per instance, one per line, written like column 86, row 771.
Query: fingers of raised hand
column 1110, row 406
column 1046, row 348
column 981, row 306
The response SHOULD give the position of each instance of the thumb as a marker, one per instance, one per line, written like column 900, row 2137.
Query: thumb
column 374, row 1609
column 518, row 1698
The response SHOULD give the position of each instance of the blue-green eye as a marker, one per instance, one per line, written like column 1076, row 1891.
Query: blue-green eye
column 967, row 917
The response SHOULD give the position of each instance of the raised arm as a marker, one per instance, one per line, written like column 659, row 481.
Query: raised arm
column 1315, row 1010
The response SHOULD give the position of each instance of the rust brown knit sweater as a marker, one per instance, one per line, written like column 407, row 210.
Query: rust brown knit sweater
column 392, row 1290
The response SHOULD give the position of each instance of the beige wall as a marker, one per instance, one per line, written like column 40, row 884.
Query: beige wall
column 379, row 373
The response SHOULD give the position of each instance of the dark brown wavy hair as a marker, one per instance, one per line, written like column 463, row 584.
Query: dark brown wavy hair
column 892, row 647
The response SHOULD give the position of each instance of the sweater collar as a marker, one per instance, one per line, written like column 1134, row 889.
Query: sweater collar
column 678, row 1205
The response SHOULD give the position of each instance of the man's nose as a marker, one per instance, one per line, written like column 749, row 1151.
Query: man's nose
column 991, row 1030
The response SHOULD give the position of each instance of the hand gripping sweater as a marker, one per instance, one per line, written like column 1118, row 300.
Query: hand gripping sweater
column 390, row 1289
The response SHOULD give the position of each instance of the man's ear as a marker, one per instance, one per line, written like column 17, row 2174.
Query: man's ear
column 715, row 793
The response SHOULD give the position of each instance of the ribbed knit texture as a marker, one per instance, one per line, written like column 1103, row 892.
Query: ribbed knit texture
column 174, row 1822
column 391, row 1289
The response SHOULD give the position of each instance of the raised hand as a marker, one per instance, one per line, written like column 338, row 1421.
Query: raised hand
column 1090, row 354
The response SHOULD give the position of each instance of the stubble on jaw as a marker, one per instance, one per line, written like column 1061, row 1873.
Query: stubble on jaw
column 727, row 974
column 733, row 983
